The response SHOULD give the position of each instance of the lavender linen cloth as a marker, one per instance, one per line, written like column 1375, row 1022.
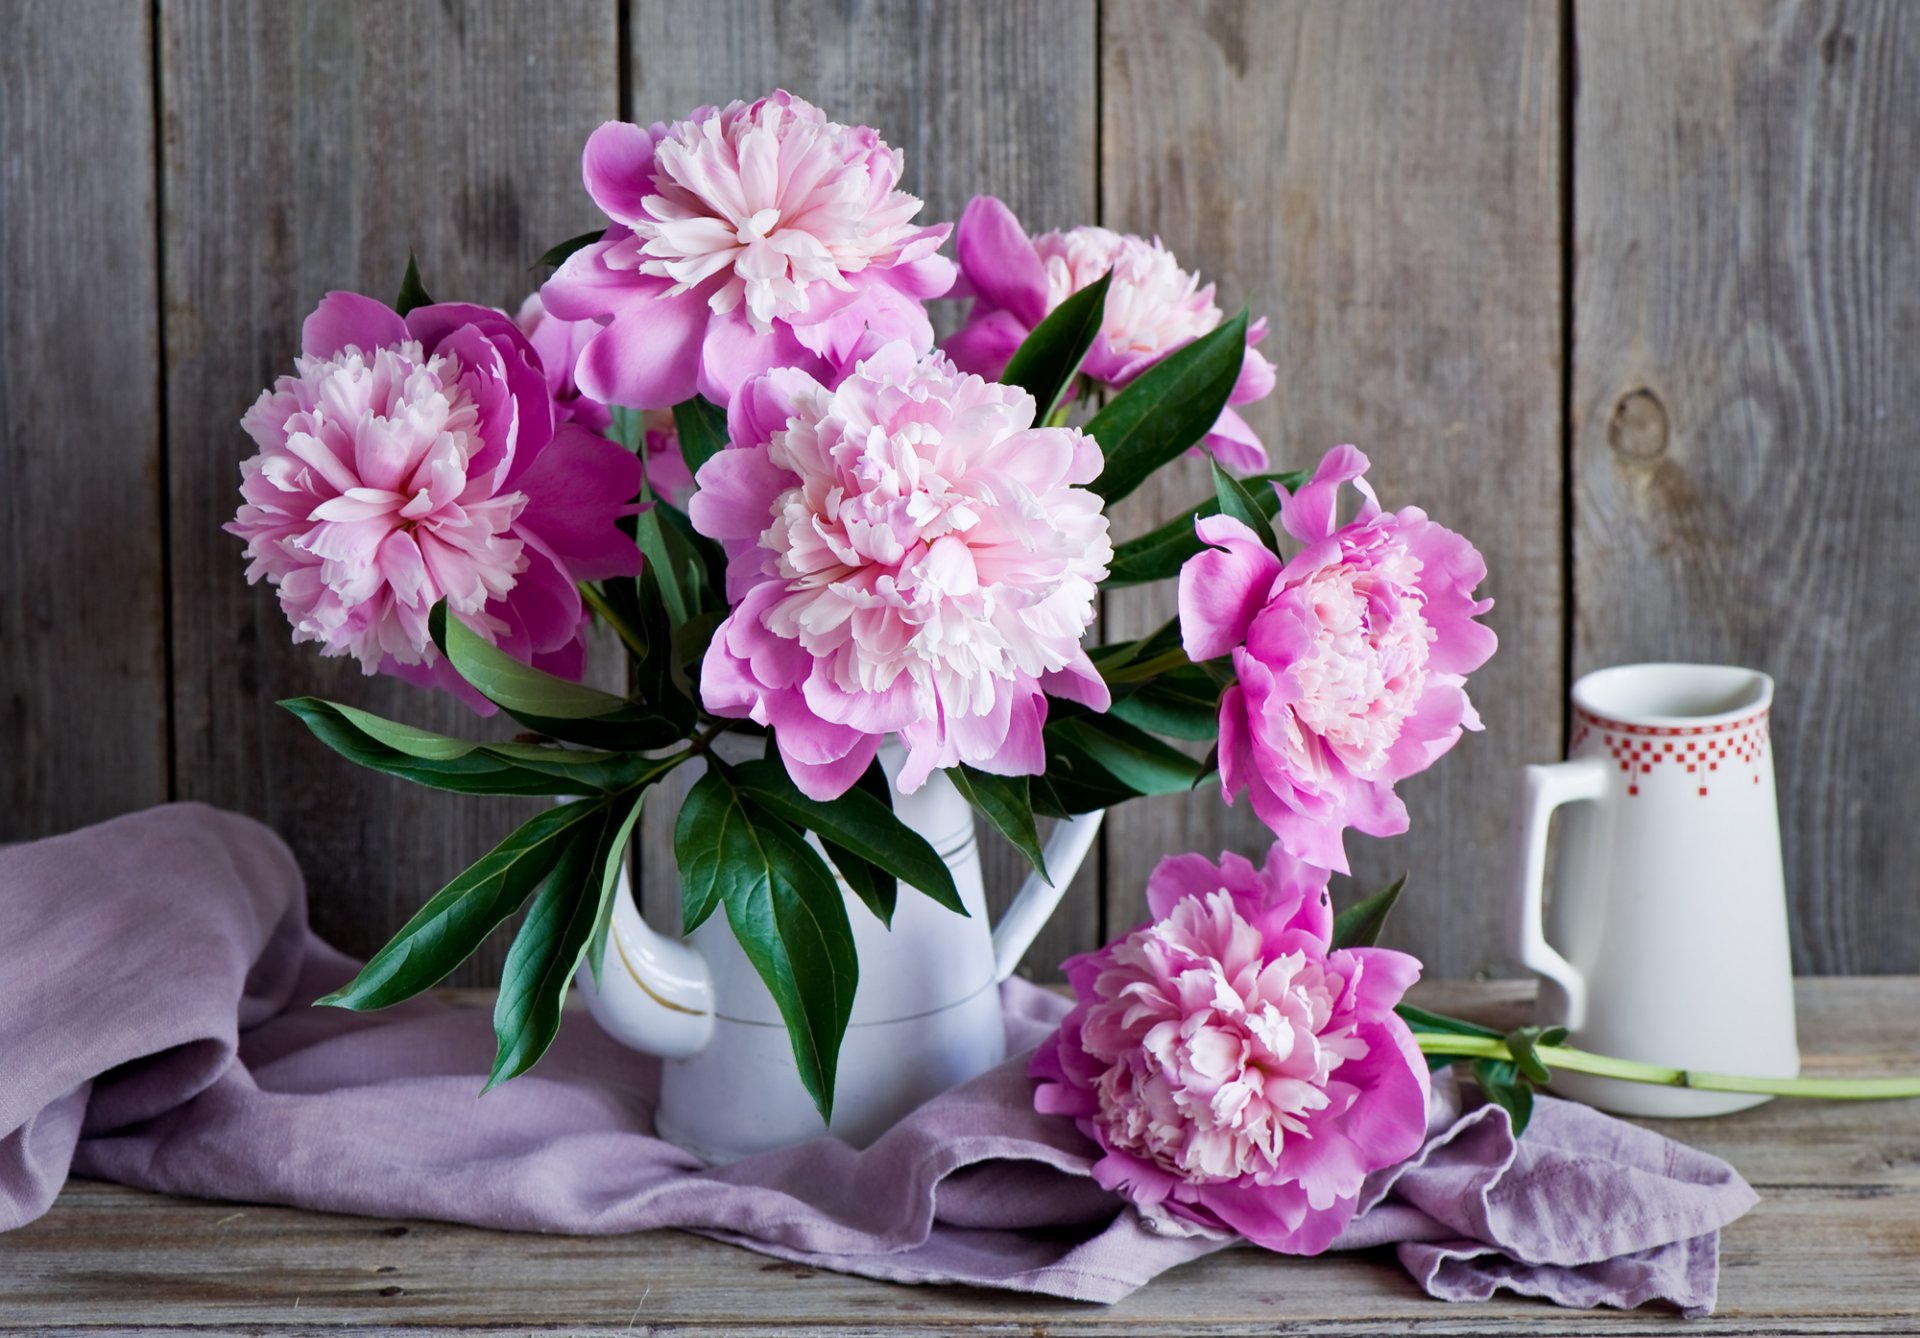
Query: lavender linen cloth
column 153, row 1031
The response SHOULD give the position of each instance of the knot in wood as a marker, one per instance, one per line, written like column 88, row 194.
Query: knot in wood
column 1638, row 427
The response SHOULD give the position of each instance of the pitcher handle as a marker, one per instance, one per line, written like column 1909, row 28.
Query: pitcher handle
column 1543, row 789
column 1020, row 924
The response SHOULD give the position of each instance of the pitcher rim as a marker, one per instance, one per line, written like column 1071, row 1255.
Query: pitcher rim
column 1591, row 694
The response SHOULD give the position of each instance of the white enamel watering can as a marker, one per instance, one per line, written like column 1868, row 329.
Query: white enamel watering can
column 926, row 1015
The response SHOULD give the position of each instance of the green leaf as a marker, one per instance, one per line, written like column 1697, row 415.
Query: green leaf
column 547, row 951
column 448, row 928
column 509, row 683
column 1421, row 1020
column 1507, row 1088
column 1359, row 925
column 412, row 292
column 1116, row 657
column 1167, row 408
column 543, row 702
column 857, row 822
column 557, row 255
column 657, row 677
column 785, row 910
column 1005, row 802
column 1183, row 703
column 695, row 548
column 611, row 865
column 1129, row 754
column 1160, row 553
column 702, row 429
column 444, row 763
column 1237, row 502
column 628, row 428
column 1048, row 359
column 692, row 637
column 702, row 837
column 690, row 568
column 1523, row 1043
column 878, row 890
column 1075, row 786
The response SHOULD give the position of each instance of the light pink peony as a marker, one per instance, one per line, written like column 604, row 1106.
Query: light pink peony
column 1237, row 1073
column 907, row 554
column 757, row 236
column 409, row 461
column 1350, row 660
column 1153, row 308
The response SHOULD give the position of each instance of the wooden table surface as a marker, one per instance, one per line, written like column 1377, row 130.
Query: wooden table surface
column 1834, row 1247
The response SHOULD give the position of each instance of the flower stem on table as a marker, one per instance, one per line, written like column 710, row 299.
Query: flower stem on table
column 1606, row 1066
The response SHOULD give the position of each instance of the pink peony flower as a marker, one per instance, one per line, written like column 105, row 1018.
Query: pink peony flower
column 1351, row 659
column 761, row 235
column 559, row 344
column 1236, row 1073
column 1153, row 307
column 907, row 553
column 409, row 461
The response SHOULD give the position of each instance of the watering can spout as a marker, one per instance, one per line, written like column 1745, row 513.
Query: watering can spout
column 654, row 993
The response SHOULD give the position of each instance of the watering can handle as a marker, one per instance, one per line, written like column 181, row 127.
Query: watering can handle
column 1066, row 847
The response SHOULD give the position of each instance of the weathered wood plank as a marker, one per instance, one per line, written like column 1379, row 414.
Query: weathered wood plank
column 308, row 147
column 1829, row 1250
column 83, row 666
column 993, row 98
column 1747, row 302
column 1382, row 182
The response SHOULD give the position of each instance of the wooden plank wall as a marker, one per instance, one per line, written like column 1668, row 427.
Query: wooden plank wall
column 310, row 146
column 1385, row 189
column 1625, row 290
column 1744, row 452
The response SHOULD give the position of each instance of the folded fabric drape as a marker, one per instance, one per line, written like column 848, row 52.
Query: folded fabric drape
column 154, row 1030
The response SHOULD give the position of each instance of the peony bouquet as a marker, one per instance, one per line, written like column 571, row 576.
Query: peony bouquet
column 724, row 430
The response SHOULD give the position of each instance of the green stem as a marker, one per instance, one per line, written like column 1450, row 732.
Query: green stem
column 631, row 639
column 700, row 743
column 1606, row 1066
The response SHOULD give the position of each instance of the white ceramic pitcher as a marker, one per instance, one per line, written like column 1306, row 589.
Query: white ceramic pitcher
column 926, row 1015
column 1664, row 938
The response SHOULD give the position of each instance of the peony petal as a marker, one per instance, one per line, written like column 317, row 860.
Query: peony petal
column 577, row 489
column 1223, row 586
column 1256, row 379
column 617, row 167
column 1079, row 682
column 649, row 356
column 998, row 258
column 1235, row 445
column 986, row 342
column 587, row 287
column 348, row 320
column 733, row 351
column 1313, row 512
column 829, row 780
